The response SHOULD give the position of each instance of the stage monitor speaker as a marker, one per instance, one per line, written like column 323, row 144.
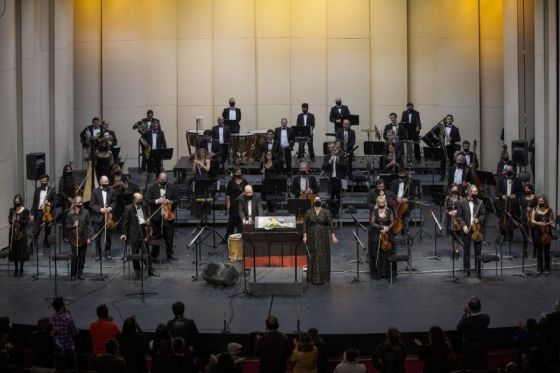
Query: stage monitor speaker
column 520, row 152
column 220, row 274
column 35, row 163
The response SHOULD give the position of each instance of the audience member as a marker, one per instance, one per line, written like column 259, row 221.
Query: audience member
column 5, row 365
column 304, row 355
column 550, row 328
column 273, row 348
column 234, row 349
column 473, row 327
column 390, row 355
column 525, row 338
column 64, row 331
column 161, row 347
column 102, row 330
column 110, row 362
column 537, row 362
column 323, row 353
column 437, row 355
column 5, row 327
column 133, row 346
column 44, row 347
column 178, row 362
column 182, row 327
column 512, row 367
column 350, row 363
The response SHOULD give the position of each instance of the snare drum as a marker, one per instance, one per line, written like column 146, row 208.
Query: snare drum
column 235, row 245
column 260, row 138
column 193, row 138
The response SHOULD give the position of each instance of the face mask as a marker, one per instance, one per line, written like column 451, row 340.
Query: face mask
column 17, row 203
column 162, row 183
column 528, row 192
column 304, row 111
column 248, row 197
column 238, row 176
column 69, row 172
column 509, row 174
column 338, row 103
column 44, row 185
column 541, row 204
column 317, row 203
column 232, row 103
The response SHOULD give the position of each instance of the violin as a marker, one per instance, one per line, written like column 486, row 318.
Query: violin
column 109, row 222
column 307, row 196
column 476, row 231
column 168, row 214
column 47, row 212
column 546, row 237
column 17, row 233
column 147, row 232
column 385, row 243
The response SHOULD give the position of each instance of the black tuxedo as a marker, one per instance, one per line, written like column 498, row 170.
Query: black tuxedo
column 227, row 139
column 310, row 123
column 155, row 161
column 473, row 329
column 408, row 187
column 472, row 156
column 341, row 166
column 87, row 133
column 390, row 127
column 256, row 208
column 287, row 152
column 346, row 145
column 502, row 166
column 98, row 218
column 214, row 146
column 276, row 150
column 454, row 137
column 466, row 175
column 233, row 124
column 336, row 114
column 37, row 213
column 516, row 187
column 135, row 234
column 312, row 184
column 167, row 229
column 413, row 125
column 464, row 218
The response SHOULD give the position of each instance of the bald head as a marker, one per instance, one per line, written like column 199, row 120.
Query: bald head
column 137, row 197
column 248, row 191
column 104, row 181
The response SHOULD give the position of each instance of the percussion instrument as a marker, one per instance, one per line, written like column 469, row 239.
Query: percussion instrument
column 241, row 144
column 193, row 138
column 260, row 138
column 235, row 246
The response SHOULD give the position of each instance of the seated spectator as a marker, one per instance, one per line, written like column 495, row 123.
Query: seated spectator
column 350, row 363
column 437, row 355
column 550, row 328
column 5, row 327
column 234, row 349
column 182, row 327
column 304, row 356
column 133, row 346
column 102, row 330
column 178, row 362
column 64, row 331
column 110, row 362
column 512, row 367
column 5, row 365
column 525, row 338
column 474, row 326
column 323, row 355
column 161, row 346
column 537, row 362
column 390, row 355
column 44, row 347
column 273, row 348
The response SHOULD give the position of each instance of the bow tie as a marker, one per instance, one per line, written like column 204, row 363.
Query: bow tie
column 231, row 108
column 448, row 125
column 103, row 189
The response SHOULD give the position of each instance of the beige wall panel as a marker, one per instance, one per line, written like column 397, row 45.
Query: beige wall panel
column 309, row 72
column 510, row 73
column 491, row 19
column 123, row 74
column 86, row 72
column 491, row 76
column 490, row 144
column 194, row 19
column 389, row 72
column 309, row 18
column 234, row 19
column 272, row 18
column 86, row 20
column 273, row 71
column 160, row 75
column 270, row 116
column 64, row 23
column 423, row 71
column 234, row 71
column 348, row 19
column 162, row 16
column 186, row 120
column 467, row 119
column 458, row 19
column 388, row 18
column 8, row 108
column 194, row 72
column 122, row 20
column 348, row 71
column 425, row 19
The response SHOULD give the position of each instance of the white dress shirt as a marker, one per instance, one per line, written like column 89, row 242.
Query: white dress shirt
column 401, row 189
column 284, row 137
column 249, row 208
column 221, row 134
column 232, row 114
column 154, row 140
column 509, row 184
column 458, row 176
column 42, row 197
column 140, row 214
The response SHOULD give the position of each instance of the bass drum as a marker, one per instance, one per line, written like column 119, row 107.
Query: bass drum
column 260, row 138
column 235, row 245
column 193, row 138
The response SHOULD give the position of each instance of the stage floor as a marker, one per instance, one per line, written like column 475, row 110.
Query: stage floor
column 413, row 303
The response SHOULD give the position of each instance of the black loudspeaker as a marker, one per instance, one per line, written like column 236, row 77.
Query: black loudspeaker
column 520, row 152
column 220, row 274
column 35, row 165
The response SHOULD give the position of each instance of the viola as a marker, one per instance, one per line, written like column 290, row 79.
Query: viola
column 17, row 233
column 546, row 237
column 47, row 212
column 168, row 214
column 400, row 209
column 476, row 231
column 385, row 243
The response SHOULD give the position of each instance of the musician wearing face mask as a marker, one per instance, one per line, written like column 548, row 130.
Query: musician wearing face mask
column 459, row 173
column 507, row 191
column 450, row 137
column 67, row 188
column 155, row 138
column 528, row 202
column 102, row 204
column 78, row 228
column 234, row 189
column 452, row 226
column 504, row 162
column 162, row 197
column 471, row 159
column 18, row 216
column 249, row 206
column 317, row 235
column 470, row 215
column 133, row 231
column 44, row 200
column 338, row 113
column 347, row 137
column 380, row 246
column 286, row 138
column 232, row 116
column 304, row 183
column 542, row 220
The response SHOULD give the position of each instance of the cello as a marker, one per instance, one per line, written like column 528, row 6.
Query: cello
column 400, row 209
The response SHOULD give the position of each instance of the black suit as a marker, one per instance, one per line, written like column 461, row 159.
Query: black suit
column 276, row 150
column 550, row 327
column 162, row 228
column 311, row 183
column 502, row 166
column 516, row 187
column 340, row 166
column 390, row 127
column 465, row 175
column 98, row 219
column 473, row 329
column 155, row 161
column 311, row 123
column 472, row 156
column 464, row 218
column 454, row 137
column 287, row 151
column 134, row 233
column 185, row 328
column 37, row 213
column 233, row 124
column 338, row 113
column 87, row 134
column 226, row 134
column 413, row 125
column 243, row 207
column 347, row 145
column 214, row 147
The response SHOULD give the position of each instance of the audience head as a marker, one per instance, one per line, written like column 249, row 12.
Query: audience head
column 315, row 336
column 437, row 335
column 130, row 328
column 178, row 345
column 44, row 324
column 352, row 355
column 272, row 323
column 304, row 342
column 58, row 303
column 512, row 367
column 234, row 348
column 393, row 335
column 112, row 346
column 474, row 305
column 178, row 308
column 102, row 311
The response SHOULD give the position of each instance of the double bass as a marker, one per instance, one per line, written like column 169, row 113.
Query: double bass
column 400, row 209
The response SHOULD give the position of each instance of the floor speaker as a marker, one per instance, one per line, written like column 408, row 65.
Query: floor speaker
column 220, row 274
column 35, row 163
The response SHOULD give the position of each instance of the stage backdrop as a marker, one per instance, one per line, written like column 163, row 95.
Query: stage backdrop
column 185, row 58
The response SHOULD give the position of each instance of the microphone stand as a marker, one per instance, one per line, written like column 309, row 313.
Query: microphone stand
column 453, row 278
column 437, row 226
column 36, row 244
column 358, row 245
column 197, row 251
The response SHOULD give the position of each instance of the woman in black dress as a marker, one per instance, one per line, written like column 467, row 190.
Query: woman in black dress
column 133, row 346
column 234, row 188
column 392, row 160
column 270, row 170
column 542, row 218
column 103, row 160
column 66, row 188
column 453, row 228
column 380, row 245
column 317, row 233
column 18, row 217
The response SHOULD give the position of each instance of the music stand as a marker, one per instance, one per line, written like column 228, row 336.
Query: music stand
column 435, row 155
column 298, row 206
column 374, row 147
column 354, row 119
column 402, row 131
column 160, row 155
column 274, row 189
column 487, row 179
column 302, row 134
column 206, row 187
